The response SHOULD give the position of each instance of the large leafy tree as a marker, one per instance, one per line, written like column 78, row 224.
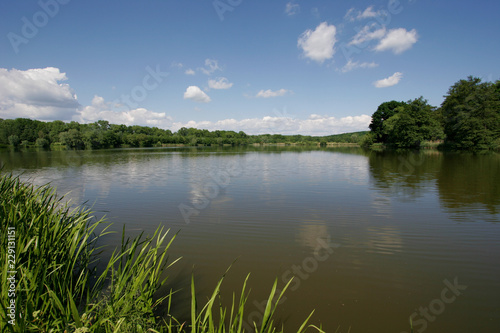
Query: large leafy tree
column 471, row 113
column 385, row 111
column 413, row 122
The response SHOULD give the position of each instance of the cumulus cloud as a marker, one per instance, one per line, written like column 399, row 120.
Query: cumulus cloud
column 102, row 110
column 189, row 71
column 36, row 93
column 219, row 83
column 397, row 40
column 390, row 81
column 279, row 123
column 292, row 8
column 318, row 45
column 196, row 94
column 352, row 65
column 211, row 66
column 313, row 125
column 269, row 93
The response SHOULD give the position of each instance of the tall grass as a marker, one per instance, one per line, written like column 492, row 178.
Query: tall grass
column 54, row 250
column 56, row 256
column 58, row 288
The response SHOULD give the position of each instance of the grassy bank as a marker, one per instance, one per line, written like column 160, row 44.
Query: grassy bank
column 50, row 282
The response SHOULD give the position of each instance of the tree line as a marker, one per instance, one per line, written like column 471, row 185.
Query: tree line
column 469, row 118
column 23, row 132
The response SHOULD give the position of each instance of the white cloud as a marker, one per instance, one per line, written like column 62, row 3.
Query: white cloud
column 292, row 8
column 219, row 83
column 349, row 14
column 211, row 66
column 36, row 93
column 318, row 44
column 189, row 71
column 279, row 123
column 398, row 40
column 196, row 94
column 269, row 93
column 313, row 125
column 390, row 81
column 351, row 65
column 366, row 34
column 367, row 13
column 99, row 109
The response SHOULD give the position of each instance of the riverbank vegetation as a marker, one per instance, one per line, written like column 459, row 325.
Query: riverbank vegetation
column 469, row 118
column 52, row 283
column 27, row 133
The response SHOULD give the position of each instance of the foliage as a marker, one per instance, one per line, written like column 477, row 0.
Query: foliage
column 469, row 118
column 14, row 141
column 101, row 134
column 412, row 124
column 354, row 137
column 42, row 143
column 384, row 111
column 368, row 140
column 471, row 112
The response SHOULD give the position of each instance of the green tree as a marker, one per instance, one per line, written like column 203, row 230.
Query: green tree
column 91, row 139
column 412, row 123
column 384, row 111
column 54, row 129
column 183, row 131
column 72, row 139
column 471, row 112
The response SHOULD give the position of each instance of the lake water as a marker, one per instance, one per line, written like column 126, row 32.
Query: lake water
column 372, row 238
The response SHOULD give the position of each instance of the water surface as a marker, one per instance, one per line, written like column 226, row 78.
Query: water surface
column 372, row 238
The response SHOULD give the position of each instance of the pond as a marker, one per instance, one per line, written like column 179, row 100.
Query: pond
column 372, row 238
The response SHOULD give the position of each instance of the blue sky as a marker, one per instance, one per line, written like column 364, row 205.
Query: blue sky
column 291, row 67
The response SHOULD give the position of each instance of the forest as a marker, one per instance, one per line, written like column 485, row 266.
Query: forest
column 468, row 118
column 23, row 132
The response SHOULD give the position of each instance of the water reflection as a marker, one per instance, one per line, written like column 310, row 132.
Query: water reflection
column 310, row 232
column 404, row 175
column 468, row 185
column 384, row 240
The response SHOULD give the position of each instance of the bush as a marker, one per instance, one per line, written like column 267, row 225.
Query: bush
column 367, row 140
column 42, row 143
column 14, row 141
